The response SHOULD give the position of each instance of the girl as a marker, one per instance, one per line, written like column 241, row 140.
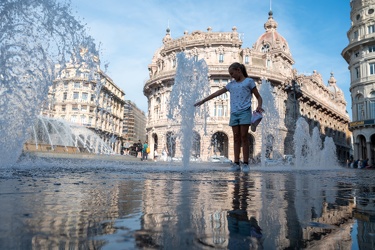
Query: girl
column 241, row 90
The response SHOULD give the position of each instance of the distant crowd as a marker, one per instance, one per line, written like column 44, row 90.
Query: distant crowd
column 142, row 150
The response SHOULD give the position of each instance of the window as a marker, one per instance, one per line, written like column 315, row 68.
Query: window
column 75, row 95
column 265, row 48
column 268, row 63
column 83, row 119
column 65, row 95
column 92, row 97
column 85, row 96
column 216, row 81
column 355, row 34
column 371, row 48
column 73, row 118
column 196, row 58
column 360, row 107
column 246, row 59
column 219, row 110
column 356, row 73
column 356, row 54
column 370, row 11
column 174, row 63
column 372, row 68
column 371, row 29
column 86, row 85
column 77, row 85
column 63, row 108
column 372, row 109
column 221, row 58
column 66, row 85
column 360, row 112
column 84, row 108
column 75, row 107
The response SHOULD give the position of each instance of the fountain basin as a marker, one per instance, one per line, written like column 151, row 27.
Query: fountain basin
column 119, row 202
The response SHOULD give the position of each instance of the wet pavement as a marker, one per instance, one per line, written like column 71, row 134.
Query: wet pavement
column 123, row 203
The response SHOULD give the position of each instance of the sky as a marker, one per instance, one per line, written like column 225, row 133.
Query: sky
column 129, row 32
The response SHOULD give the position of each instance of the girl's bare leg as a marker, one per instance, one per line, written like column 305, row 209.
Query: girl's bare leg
column 245, row 142
column 236, row 142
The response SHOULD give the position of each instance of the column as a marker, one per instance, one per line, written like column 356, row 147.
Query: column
column 356, row 151
column 368, row 149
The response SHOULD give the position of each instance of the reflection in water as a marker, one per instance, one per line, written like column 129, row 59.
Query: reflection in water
column 124, row 207
column 244, row 232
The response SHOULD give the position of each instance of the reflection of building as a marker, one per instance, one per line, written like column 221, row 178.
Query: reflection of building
column 268, row 59
column 95, row 102
column 360, row 55
column 295, row 211
column 134, row 123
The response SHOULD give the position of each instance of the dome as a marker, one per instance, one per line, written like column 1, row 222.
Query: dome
column 271, row 39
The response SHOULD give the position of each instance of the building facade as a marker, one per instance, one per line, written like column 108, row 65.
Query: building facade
column 269, row 59
column 360, row 55
column 134, row 123
column 95, row 102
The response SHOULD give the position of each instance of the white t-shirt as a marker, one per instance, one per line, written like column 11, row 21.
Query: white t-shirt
column 240, row 94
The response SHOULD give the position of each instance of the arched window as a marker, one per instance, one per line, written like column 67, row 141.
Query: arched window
column 157, row 108
column 265, row 48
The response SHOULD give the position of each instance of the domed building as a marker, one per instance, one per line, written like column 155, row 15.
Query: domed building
column 269, row 59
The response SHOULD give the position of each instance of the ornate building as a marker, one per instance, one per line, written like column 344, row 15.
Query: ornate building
column 268, row 59
column 94, row 101
column 360, row 55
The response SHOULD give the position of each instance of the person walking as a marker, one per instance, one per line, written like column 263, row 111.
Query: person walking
column 144, row 151
column 241, row 90
column 139, row 149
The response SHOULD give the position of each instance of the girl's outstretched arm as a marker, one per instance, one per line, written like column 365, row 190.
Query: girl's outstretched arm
column 213, row 95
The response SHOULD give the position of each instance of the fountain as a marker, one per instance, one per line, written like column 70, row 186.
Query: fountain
column 191, row 84
column 62, row 136
column 270, row 126
column 309, row 151
column 35, row 37
column 49, row 203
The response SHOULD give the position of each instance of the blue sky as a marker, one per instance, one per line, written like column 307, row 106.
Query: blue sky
column 129, row 33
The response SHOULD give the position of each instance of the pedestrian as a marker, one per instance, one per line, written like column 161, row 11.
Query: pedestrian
column 241, row 90
column 144, row 151
column 127, row 146
column 139, row 149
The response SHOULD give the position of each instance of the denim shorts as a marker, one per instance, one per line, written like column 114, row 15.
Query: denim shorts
column 240, row 118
